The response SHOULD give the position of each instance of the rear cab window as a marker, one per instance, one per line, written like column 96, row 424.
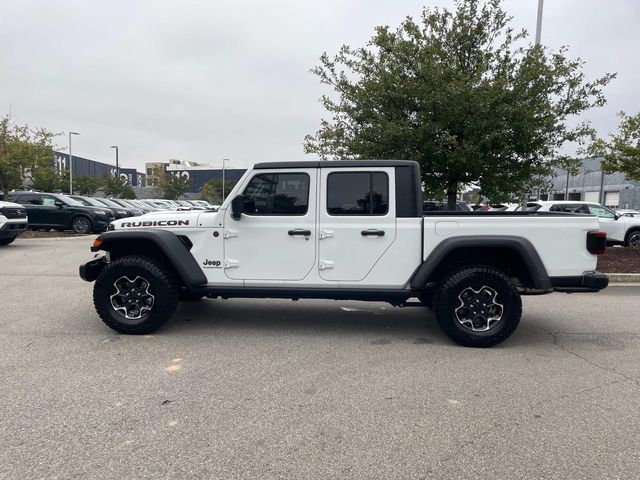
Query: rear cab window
column 357, row 193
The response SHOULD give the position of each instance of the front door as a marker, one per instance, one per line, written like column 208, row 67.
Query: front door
column 275, row 239
column 608, row 222
column 357, row 221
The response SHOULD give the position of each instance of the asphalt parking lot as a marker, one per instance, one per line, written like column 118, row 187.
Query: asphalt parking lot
column 308, row 389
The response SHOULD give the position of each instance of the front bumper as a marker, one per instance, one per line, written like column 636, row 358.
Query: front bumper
column 588, row 282
column 90, row 270
column 12, row 229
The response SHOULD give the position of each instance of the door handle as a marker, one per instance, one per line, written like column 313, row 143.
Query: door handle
column 372, row 232
column 299, row 231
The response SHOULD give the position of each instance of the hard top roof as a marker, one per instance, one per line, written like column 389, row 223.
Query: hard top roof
column 337, row 164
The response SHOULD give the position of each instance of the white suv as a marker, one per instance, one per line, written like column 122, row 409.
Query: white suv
column 13, row 221
column 620, row 229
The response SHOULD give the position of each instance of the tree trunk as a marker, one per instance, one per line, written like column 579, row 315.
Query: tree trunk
column 452, row 192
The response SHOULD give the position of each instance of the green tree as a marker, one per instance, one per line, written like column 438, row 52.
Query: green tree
column 127, row 192
column 22, row 152
column 460, row 92
column 622, row 152
column 172, row 187
column 211, row 191
column 47, row 179
column 87, row 185
column 112, row 186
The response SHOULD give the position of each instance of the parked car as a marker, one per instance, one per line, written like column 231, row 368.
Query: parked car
column 434, row 206
column 110, row 203
column 620, row 229
column 60, row 212
column 628, row 213
column 13, row 221
column 132, row 209
column 92, row 202
column 503, row 207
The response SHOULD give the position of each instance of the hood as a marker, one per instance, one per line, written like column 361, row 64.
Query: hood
column 163, row 219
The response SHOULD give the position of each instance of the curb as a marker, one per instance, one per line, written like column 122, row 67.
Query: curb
column 626, row 278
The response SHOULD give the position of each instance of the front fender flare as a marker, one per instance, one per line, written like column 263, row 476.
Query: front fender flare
column 173, row 249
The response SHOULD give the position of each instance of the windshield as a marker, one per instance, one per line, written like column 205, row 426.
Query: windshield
column 109, row 203
column 93, row 202
column 69, row 200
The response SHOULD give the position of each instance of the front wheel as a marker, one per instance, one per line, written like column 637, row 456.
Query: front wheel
column 478, row 306
column 81, row 225
column 6, row 240
column 135, row 294
column 633, row 239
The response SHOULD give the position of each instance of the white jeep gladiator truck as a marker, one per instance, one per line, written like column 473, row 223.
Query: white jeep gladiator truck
column 343, row 230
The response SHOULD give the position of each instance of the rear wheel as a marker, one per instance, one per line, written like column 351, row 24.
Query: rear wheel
column 81, row 225
column 135, row 294
column 478, row 306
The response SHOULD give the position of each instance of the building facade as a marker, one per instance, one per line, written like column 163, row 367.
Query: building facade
column 84, row 167
column 592, row 185
column 199, row 174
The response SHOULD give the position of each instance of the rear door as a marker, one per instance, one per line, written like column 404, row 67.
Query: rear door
column 33, row 203
column 275, row 239
column 357, row 221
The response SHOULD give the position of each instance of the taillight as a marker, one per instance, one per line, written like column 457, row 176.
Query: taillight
column 596, row 242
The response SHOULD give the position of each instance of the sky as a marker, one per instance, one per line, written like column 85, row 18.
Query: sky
column 211, row 79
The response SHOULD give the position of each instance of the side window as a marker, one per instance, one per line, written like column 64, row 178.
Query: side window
column 277, row 194
column 48, row 201
column 601, row 212
column 357, row 193
column 569, row 208
column 29, row 199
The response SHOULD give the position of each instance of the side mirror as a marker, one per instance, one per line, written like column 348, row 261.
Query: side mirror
column 237, row 207
column 59, row 204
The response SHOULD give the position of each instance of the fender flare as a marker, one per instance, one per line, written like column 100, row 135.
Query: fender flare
column 521, row 246
column 168, row 243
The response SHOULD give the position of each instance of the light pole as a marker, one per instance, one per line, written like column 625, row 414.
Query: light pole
column 117, row 164
column 223, row 160
column 71, row 164
column 538, row 35
column 539, row 23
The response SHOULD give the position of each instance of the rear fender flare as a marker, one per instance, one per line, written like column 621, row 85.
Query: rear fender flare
column 521, row 246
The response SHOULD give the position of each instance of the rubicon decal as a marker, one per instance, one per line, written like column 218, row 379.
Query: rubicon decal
column 156, row 223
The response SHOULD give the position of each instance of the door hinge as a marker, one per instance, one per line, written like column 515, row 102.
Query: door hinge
column 231, row 263
column 325, row 234
column 228, row 233
column 325, row 264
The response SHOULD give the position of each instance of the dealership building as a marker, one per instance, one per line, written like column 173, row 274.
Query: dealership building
column 591, row 184
column 198, row 173
column 83, row 167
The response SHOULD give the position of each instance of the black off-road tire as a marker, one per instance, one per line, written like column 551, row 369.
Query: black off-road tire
column 161, row 285
column 82, row 224
column 426, row 298
column 6, row 240
column 475, row 277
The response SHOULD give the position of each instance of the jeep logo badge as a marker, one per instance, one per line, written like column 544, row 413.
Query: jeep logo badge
column 211, row 263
